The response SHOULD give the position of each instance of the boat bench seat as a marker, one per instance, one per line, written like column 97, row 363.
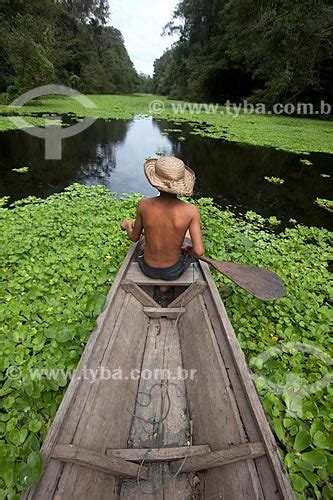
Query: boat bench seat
column 190, row 275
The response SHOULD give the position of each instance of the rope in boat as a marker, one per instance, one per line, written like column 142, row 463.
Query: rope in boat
column 152, row 420
column 165, row 485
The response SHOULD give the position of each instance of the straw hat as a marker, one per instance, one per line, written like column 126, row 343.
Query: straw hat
column 170, row 174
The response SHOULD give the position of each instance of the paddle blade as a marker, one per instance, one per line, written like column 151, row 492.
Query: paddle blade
column 260, row 282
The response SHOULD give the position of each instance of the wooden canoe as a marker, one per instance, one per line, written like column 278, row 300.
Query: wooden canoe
column 162, row 435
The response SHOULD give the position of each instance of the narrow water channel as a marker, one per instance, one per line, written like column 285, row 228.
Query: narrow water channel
column 112, row 153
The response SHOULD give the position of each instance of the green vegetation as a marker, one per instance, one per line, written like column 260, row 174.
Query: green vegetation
column 158, row 152
column 264, row 51
column 306, row 162
column 327, row 204
column 65, row 42
column 59, row 258
column 267, row 51
column 274, row 180
column 22, row 170
column 7, row 124
column 291, row 134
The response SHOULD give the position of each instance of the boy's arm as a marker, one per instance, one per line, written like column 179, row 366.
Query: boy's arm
column 134, row 231
column 196, row 235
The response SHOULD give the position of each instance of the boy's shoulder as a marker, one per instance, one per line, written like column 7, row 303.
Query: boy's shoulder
column 145, row 203
column 190, row 207
column 183, row 205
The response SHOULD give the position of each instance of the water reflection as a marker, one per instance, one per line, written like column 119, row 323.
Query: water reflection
column 121, row 164
column 112, row 153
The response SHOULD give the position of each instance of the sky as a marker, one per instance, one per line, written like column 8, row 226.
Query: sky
column 141, row 23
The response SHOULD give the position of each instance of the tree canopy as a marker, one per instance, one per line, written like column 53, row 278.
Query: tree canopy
column 62, row 41
column 268, row 51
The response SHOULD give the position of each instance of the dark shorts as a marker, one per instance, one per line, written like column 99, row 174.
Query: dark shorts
column 166, row 273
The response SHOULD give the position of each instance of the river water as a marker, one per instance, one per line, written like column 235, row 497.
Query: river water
column 112, row 153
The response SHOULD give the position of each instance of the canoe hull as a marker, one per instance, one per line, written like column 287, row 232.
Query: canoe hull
column 158, row 391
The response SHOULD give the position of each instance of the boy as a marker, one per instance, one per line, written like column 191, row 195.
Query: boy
column 167, row 221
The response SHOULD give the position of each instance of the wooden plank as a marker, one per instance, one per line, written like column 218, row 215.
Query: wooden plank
column 253, row 401
column 184, row 298
column 222, row 457
column 109, row 404
column 232, row 397
column 78, row 406
column 179, row 488
column 213, row 409
column 190, row 275
column 142, row 433
column 263, row 466
column 44, row 488
column 158, row 454
column 139, row 294
column 162, row 352
column 164, row 312
column 152, row 489
column 96, row 461
column 177, row 425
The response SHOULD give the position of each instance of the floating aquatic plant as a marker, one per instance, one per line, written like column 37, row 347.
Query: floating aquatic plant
column 160, row 152
column 306, row 162
column 59, row 258
column 21, row 170
column 326, row 204
column 300, row 135
column 172, row 130
column 274, row 180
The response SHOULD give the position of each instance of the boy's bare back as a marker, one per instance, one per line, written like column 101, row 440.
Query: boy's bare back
column 165, row 220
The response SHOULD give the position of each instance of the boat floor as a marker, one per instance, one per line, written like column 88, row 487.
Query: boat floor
column 160, row 407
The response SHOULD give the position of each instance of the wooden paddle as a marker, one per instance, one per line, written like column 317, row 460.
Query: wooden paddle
column 260, row 282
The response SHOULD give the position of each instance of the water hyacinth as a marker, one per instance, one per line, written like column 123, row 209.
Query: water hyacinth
column 300, row 135
column 59, row 258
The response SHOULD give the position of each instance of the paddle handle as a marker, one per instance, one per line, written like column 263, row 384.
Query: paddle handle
column 206, row 259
